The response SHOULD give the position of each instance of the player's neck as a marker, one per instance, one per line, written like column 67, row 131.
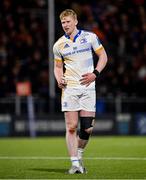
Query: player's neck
column 74, row 33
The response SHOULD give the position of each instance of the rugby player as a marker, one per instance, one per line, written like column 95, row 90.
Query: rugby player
column 73, row 52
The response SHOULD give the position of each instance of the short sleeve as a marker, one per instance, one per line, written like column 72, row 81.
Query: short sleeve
column 96, row 44
column 57, row 55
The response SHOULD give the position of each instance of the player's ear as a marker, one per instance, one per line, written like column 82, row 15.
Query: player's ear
column 76, row 22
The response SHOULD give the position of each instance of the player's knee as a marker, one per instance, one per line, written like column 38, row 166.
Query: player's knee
column 71, row 129
column 89, row 130
column 86, row 127
column 83, row 134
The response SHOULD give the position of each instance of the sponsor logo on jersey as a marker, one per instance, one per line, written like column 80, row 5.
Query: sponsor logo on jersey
column 82, row 41
column 74, row 48
column 66, row 46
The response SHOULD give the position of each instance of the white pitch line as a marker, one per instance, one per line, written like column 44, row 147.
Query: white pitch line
column 66, row 179
column 65, row 158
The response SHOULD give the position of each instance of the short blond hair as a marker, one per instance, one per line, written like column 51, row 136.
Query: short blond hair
column 68, row 12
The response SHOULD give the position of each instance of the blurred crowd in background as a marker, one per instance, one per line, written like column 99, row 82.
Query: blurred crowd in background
column 23, row 46
column 120, row 25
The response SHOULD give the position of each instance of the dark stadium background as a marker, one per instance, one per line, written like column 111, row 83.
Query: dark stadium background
column 28, row 29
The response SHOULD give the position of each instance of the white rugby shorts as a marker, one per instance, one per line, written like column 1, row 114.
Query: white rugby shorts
column 78, row 99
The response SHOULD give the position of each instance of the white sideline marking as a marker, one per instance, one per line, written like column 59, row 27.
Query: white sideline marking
column 64, row 158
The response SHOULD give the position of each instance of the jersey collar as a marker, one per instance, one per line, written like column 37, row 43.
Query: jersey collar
column 76, row 36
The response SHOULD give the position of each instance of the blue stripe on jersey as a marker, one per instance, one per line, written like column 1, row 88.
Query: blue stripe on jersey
column 76, row 36
column 67, row 36
column 98, row 40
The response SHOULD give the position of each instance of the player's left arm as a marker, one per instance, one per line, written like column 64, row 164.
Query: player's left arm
column 101, row 53
column 88, row 78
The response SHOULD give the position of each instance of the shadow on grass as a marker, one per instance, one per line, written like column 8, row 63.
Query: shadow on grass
column 51, row 170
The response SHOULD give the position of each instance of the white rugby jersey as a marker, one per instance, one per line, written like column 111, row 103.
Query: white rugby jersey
column 77, row 56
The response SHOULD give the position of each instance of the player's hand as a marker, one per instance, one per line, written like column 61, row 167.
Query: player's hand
column 87, row 79
column 62, row 83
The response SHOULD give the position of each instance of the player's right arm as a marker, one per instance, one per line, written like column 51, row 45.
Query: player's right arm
column 58, row 67
column 58, row 71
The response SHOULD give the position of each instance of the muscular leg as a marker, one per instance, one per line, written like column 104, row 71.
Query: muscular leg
column 71, row 119
column 81, row 142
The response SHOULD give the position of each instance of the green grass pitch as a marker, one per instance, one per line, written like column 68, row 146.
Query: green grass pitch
column 107, row 157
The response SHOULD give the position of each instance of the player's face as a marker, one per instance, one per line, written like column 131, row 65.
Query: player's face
column 68, row 24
